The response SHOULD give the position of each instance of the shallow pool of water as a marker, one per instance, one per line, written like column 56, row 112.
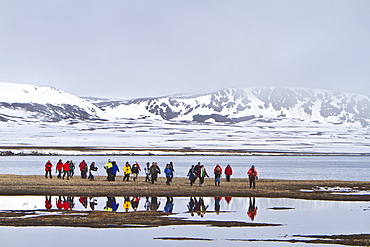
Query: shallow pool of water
column 298, row 217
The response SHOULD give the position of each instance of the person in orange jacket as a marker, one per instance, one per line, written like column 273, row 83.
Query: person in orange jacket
column 48, row 167
column 252, row 174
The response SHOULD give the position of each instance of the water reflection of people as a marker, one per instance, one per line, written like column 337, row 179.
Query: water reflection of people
column 228, row 199
column 191, row 206
column 48, row 204
column 217, row 204
column 71, row 203
column 154, row 204
column 111, row 204
column 135, row 203
column 200, row 207
column 168, row 208
column 126, row 203
column 252, row 210
column 83, row 201
column 93, row 202
column 115, row 205
column 147, row 203
column 65, row 203
column 59, row 203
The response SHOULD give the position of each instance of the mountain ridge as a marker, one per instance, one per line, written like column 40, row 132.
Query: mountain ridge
column 236, row 105
column 32, row 103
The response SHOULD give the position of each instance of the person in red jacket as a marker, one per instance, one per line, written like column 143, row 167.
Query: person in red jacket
column 83, row 169
column 66, row 169
column 48, row 167
column 228, row 172
column 59, row 168
column 252, row 174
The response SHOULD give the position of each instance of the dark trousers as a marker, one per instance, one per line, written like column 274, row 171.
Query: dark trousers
column 252, row 182
column 228, row 178
column 66, row 173
column 147, row 179
column 126, row 177
column 154, row 177
column 193, row 180
column 201, row 180
column 168, row 180
column 46, row 174
column 109, row 175
column 59, row 174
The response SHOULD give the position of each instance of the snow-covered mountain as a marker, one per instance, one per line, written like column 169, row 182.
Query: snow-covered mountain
column 239, row 105
column 33, row 103
column 235, row 121
column 23, row 102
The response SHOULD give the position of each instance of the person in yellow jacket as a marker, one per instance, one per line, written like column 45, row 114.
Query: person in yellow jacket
column 108, row 168
column 126, row 171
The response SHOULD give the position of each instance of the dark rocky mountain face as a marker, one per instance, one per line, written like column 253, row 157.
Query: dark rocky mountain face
column 47, row 112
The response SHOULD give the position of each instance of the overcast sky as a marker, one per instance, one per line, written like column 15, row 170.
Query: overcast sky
column 131, row 49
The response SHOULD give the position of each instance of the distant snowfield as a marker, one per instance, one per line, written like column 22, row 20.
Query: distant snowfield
column 158, row 137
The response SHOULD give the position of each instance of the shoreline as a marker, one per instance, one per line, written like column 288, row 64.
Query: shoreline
column 180, row 187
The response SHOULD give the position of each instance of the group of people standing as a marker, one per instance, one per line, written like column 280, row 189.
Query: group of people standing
column 199, row 172
column 151, row 170
column 66, row 169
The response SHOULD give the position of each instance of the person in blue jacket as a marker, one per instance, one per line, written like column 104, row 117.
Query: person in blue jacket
column 115, row 169
column 169, row 174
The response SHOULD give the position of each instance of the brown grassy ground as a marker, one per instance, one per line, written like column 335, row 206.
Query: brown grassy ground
column 39, row 185
column 101, row 219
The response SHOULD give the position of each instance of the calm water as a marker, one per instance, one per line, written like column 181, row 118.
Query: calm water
column 305, row 217
column 277, row 167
